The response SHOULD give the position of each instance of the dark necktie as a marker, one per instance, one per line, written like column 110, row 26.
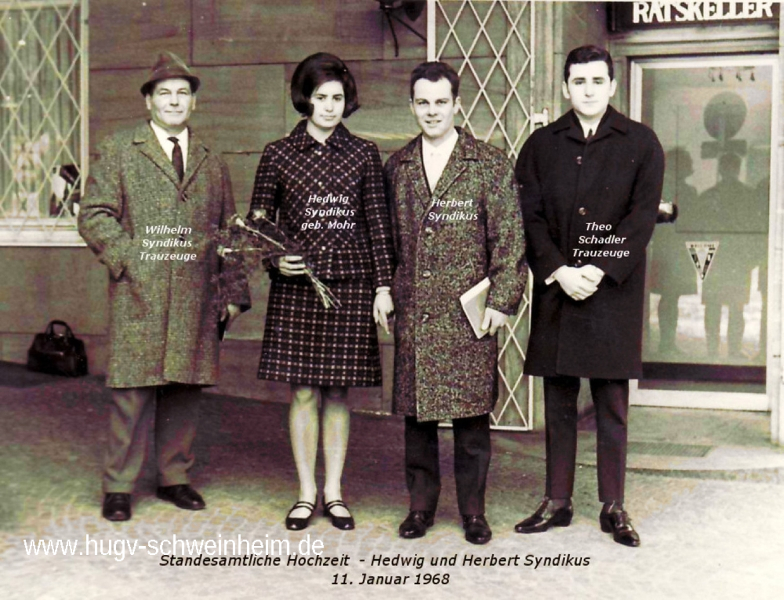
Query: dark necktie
column 589, row 136
column 177, row 157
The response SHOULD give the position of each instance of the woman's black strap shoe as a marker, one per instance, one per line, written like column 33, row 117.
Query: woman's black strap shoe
column 344, row 523
column 297, row 523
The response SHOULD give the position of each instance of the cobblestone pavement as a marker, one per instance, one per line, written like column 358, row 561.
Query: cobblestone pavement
column 707, row 533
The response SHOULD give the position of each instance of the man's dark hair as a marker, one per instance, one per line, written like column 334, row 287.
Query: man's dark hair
column 315, row 70
column 435, row 71
column 587, row 54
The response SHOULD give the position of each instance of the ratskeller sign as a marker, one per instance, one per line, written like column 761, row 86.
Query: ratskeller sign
column 624, row 16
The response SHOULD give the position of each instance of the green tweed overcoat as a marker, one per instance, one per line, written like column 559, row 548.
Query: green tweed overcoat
column 164, row 312
column 443, row 249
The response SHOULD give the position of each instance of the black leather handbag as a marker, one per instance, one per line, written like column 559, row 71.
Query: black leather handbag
column 58, row 352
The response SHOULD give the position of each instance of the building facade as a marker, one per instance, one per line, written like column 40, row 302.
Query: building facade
column 704, row 75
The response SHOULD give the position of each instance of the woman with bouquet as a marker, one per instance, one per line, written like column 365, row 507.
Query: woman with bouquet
column 325, row 189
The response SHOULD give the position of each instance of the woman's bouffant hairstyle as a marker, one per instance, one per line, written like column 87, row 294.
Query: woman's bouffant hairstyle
column 315, row 70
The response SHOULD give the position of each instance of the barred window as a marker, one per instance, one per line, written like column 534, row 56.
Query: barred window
column 43, row 120
column 492, row 46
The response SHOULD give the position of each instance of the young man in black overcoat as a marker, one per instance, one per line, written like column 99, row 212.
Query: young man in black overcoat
column 590, row 186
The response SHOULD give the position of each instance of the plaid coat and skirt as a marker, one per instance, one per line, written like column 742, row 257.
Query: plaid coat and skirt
column 330, row 200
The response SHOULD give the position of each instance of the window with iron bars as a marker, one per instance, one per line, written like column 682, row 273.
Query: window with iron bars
column 43, row 120
column 491, row 45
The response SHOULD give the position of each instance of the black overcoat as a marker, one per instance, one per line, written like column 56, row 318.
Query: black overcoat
column 569, row 188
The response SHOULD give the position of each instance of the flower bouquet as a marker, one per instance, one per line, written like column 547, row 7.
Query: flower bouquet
column 259, row 240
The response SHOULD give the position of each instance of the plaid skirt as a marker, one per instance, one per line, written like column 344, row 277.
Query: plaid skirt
column 307, row 344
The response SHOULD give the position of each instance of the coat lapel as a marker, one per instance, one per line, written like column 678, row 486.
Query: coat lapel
column 148, row 145
column 416, row 179
column 612, row 122
column 197, row 154
column 457, row 164
column 594, row 157
column 465, row 150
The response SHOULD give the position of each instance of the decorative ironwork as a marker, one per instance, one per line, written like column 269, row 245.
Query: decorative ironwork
column 493, row 43
column 43, row 125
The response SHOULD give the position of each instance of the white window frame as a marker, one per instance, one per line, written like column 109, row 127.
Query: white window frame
column 747, row 401
column 36, row 230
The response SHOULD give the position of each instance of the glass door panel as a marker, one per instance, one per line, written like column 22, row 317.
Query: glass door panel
column 707, row 271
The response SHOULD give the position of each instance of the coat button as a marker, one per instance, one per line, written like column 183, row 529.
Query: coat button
column 425, row 317
column 579, row 160
column 581, row 211
column 578, row 263
column 426, row 273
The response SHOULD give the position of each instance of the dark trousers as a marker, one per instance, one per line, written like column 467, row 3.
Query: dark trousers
column 176, row 413
column 472, row 461
column 611, row 401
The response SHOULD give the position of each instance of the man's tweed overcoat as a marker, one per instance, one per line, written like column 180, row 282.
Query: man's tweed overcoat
column 164, row 313
column 441, row 370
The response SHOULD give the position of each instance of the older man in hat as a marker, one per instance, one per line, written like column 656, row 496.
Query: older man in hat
column 153, row 203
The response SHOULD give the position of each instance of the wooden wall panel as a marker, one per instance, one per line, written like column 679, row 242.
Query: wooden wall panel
column 115, row 102
column 242, row 168
column 241, row 108
column 234, row 32
column 410, row 46
column 239, row 363
column 131, row 34
column 41, row 284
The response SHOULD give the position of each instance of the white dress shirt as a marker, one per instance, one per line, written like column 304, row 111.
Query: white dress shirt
column 435, row 158
column 168, row 146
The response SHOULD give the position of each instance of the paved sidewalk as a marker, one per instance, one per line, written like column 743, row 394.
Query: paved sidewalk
column 712, row 525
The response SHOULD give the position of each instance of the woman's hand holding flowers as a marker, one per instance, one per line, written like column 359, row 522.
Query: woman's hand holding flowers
column 291, row 265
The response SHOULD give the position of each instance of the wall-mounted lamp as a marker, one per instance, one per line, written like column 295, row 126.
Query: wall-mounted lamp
column 413, row 9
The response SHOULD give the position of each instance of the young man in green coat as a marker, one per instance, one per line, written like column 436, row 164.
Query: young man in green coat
column 153, row 203
column 456, row 220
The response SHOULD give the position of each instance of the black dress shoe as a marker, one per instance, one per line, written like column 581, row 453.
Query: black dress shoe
column 477, row 531
column 546, row 516
column 415, row 524
column 298, row 523
column 344, row 523
column 615, row 520
column 116, row 507
column 182, row 496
